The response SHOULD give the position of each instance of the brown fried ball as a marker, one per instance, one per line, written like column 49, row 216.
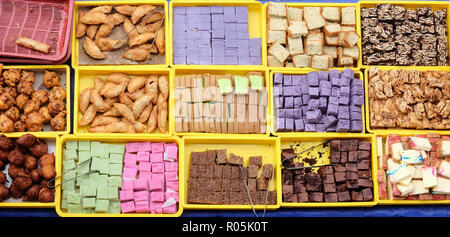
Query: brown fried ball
column 3, row 178
column 12, row 76
column 45, row 195
column 13, row 170
column 25, row 88
column 16, row 157
column 35, row 176
column 6, row 143
column 5, row 101
column 23, row 181
column 22, row 100
column 20, row 126
column 2, row 80
column 27, row 76
column 35, row 122
column 47, row 159
column 2, row 165
column 6, row 124
column 4, row 192
column 4, row 156
column 39, row 148
column 56, row 106
column 46, row 183
column 41, row 96
column 13, row 113
column 32, row 106
column 26, row 140
column 11, row 92
column 30, row 162
column 51, row 79
column 49, row 171
column 15, row 192
column 46, row 114
column 57, row 93
column 58, row 123
column 32, row 193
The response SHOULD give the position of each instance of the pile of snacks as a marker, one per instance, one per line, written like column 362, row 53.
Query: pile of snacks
column 26, row 109
column 216, row 178
column 125, row 104
column 150, row 178
column 409, row 99
column 414, row 167
column 31, row 168
column 220, row 103
column 214, row 35
column 395, row 35
column 329, row 36
column 91, row 177
column 318, row 102
column 143, row 25
column 348, row 179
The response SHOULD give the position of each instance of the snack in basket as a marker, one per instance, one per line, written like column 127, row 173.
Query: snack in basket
column 27, row 109
column 124, row 104
column 33, row 44
column 316, row 37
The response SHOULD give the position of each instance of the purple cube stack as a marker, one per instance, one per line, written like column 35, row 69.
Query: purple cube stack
column 320, row 101
column 214, row 35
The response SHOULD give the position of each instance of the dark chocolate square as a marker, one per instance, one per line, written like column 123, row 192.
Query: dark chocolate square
column 299, row 187
column 367, row 194
column 336, row 145
column 316, row 196
column 253, row 171
column 290, row 198
column 328, row 178
column 196, row 158
column 302, row 197
column 255, row 160
column 366, row 183
column 243, row 173
column 363, row 174
column 352, row 184
column 221, row 156
column 363, row 165
column 344, row 156
column 210, row 158
column 344, row 196
column 352, row 156
column 329, row 188
column 267, row 171
column 194, row 184
column 345, row 145
column 352, row 175
column 218, row 172
column 331, row 197
column 335, row 157
column 314, row 187
column 236, row 160
column 357, row 196
column 352, row 167
column 341, row 187
column 363, row 155
column 353, row 145
column 287, row 189
column 340, row 176
column 286, row 176
column 251, row 183
column 299, row 178
column 364, row 145
column 325, row 170
column 339, row 168
column 312, row 177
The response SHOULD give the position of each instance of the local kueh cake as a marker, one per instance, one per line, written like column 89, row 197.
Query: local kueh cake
column 216, row 178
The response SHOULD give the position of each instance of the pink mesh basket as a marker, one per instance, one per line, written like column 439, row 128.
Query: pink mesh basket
column 46, row 21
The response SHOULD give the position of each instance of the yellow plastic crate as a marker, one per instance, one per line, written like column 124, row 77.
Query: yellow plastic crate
column 244, row 145
column 84, row 79
column 367, row 105
column 406, row 202
column 119, row 140
column 52, row 142
column 215, row 70
column 77, row 44
column 358, row 74
column 256, row 27
column 64, row 72
column 435, row 5
column 317, row 4
column 314, row 139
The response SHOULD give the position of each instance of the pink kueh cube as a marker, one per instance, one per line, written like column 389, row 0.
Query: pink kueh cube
column 129, row 173
column 132, row 147
column 170, row 209
column 157, row 196
column 126, row 195
column 173, row 195
column 170, row 166
column 145, row 166
column 156, row 157
column 142, row 207
column 130, row 160
column 157, row 147
column 143, row 156
column 127, row 184
column 145, row 146
column 157, row 167
column 141, row 196
column 157, row 182
column 156, row 207
column 145, row 175
column 172, row 152
column 172, row 185
column 140, row 184
column 127, row 207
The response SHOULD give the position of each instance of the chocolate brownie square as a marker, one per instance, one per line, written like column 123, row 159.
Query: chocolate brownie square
column 367, row 194
column 217, row 185
column 325, row 170
column 299, row 171
column 344, row 196
column 193, row 196
column 328, row 178
column 221, row 156
column 363, row 164
column 253, row 172
column 335, row 157
column 302, row 197
column 331, row 197
column 193, row 171
column 352, row 175
column 251, row 183
column 339, row 168
column 235, row 160
column 262, row 183
column 243, row 174
column 194, row 184
column 209, row 171
column 314, row 187
column 197, row 158
column 352, row 156
column 234, row 198
column 267, row 171
column 351, row 167
column 336, row 145
column 299, row 178
column 366, row 183
column 363, row 155
column 290, row 198
column 329, row 188
column 235, row 172
column 226, row 172
column 218, row 171
column 286, row 176
column 271, row 198
column 255, row 160
column 256, row 197
column 364, row 145
column 344, row 156
column 316, row 196
column 210, row 157
column 299, row 187
column 363, row 174
column 312, row 177
column 236, row 185
column 210, row 185
column 354, row 143
column 226, row 184
column 201, row 171
column 345, row 145
column 352, row 184
column 341, row 187
column 357, row 196
column 340, row 176
column 287, row 189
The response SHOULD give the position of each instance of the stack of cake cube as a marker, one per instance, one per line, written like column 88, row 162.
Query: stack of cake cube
column 320, row 101
column 214, row 35
column 92, row 177
column 150, row 178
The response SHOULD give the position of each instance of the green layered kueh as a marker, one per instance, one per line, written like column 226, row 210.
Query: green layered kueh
column 225, row 86
column 241, row 85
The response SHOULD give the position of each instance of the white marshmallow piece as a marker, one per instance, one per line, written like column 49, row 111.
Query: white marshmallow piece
column 445, row 148
column 398, row 174
column 397, row 149
column 418, row 173
column 405, row 189
column 429, row 176
column 444, row 169
column 420, row 143
column 418, row 187
column 411, row 157
column 379, row 146
column 442, row 186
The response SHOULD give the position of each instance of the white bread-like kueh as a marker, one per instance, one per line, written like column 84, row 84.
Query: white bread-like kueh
column 348, row 16
column 273, row 62
column 279, row 52
column 276, row 36
column 295, row 45
column 277, row 9
column 331, row 13
column 320, row 62
column 294, row 14
column 301, row 60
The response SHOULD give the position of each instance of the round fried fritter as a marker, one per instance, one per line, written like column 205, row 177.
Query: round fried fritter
column 51, row 79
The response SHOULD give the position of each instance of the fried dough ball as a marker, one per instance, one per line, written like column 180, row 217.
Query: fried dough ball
column 36, row 176
column 46, row 114
column 27, row 76
column 3, row 178
column 45, row 195
column 58, row 123
column 23, row 181
column 11, row 92
column 25, row 88
column 49, row 171
column 15, row 192
column 39, row 148
column 12, row 76
column 4, row 192
column 35, row 122
column 20, row 126
column 46, row 182
column 13, row 170
column 13, row 113
column 26, row 140
column 2, row 166
column 57, row 93
column 56, row 106
column 6, row 124
column 16, row 157
column 32, row 193
column 32, row 106
column 2, row 80
column 47, row 160
column 6, row 143
column 5, row 101
column 51, row 79
column 22, row 100
column 4, row 156
column 30, row 162
column 41, row 96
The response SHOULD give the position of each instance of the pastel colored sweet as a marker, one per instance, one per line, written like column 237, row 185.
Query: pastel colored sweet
column 129, row 173
column 329, row 120
column 218, row 60
column 145, row 175
column 289, row 102
column 71, row 145
column 132, row 147
column 243, row 35
column 320, row 127
column 115, row 169
column 343, row 125
column 310, row 127
column 170, row 166
column 173, row 195
column 344, row 100
column 128, row 207
column 313, row 116
column 157, row 182
column 323, row 102
column 127, row 184
column 141, row 195
column 349, row 73
column 116, row 158
column 157, row 147
column 170, row 209
column 156, row 207
column 140, row 184
column 172, row 186
column 157, row 196
column 144, row 166
column 356, row 126
column 313, row 104
column 142, row 207
column 344, row 81
column 156, row 157
column 313, row 92
column 157, row 167
column 288, row 91
column 305, row 99
column 289, row 124
column 299, row 125
column 216, row 9
column 171, row 176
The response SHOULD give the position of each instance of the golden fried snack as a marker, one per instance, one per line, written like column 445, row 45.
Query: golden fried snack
column 163, row 85
column 138, row 94
column 57, row 93
column 11, row 76
column 112, row 90
column 151, row 87
column 118, row 77
column 92, row 50
column 32, row 106
column 13, row 113
column 51, row 79
column 104, row 9
column 25, row 87
column 58, row 123
column 118, row 127
column 10, row 91
column 91, row 31
column 35, row 122
column 107, row 44
column 27, row 76
column 98, row 129
column 155, row 16
column 56, row 106
column 125, row 111
column 153, row 27
column 125, row 99
column 88, row 116
column 162, row 120
column 111, row 101
column 160, row 41
column 105, row 29
column 98, row 101
column 84, row 99
column 113, row 112
column 33, row 44
column 20, row 126
column 145, row 113
column 129, row 28
column 125, row 9
column 140, row 12
column 39, row 95
column 99, row 83
column 136, row 54
column 46, row 114
column 139, row 127
column 136, row 83
column 5, row 101
column 94, row 18
column 6, row 124
column 81, row 27
column 149, row 47
column 118, row 18
column 140, row 104
column 103, row 120
column 153, row 120
column 140, row 39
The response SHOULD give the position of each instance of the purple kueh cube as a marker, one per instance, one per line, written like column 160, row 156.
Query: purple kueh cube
column 204, row 10
column 218, row 52
column 320, row 127
column 323, row 102
column 335, row 91
column 289, row 102
column 355, row 108
column 192, row 10
column 179, row 59
column 255, row 42
column 296, row 90
column 277, row 78
column 255, row 60
column 332, row 109
column 230, row 35
column 349, row 73
column 323, row 75
column 329, row 120
column 334, row 73
column 343, row 125
column 313, row 92
column 344, row 91
column 179, row 52
column 298, row 113
column 335, row 81
column 344, row 81
column 343, row 100
column 281, row 124
column 356, row 90
column 282, row 113
column 204, row 25
column 231, row 43
column 289, row 125
column 231, row 60
column 243, row 43
column 343, row 112
column 241, row 27
column 179, row 19
column 356, row 116
column 296, row 80
column 205, row 60
column 288, row 91
column 204, row 43
column 313, row 79
column 179, row 10
column 241, row 11
column 313, row 116
column 229, row 15
column 298, row 102
column 356, row 126
column 217, row 25
column 229, row 26
column 218, row 34
column 244, row 60
column 243, row 52
column 231, row 52
column 304, row 110
column 192, row 59
column 305, row 88
column 333, row 100
column 204, row 34
column 357, row 100
column 218, row 60
column 242, row 35
column 278, row 102
column 313, row 104
column 192, row 35
column 255, row 52
column 191, row 44
column 216, row 9
column 331, row 128
column 289, row 113
column 205, row 52
column 216, row 18
column 287, row 80
column 178, row 36
column 310, row 127
column 299, row 125
column 356, row 82
column 218, row 43
column 305, row 99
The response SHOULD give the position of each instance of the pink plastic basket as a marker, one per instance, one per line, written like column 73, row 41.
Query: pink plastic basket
column 47, row 21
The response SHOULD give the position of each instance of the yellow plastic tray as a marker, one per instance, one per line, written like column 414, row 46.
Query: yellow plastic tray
column 244, row 145
column 84, row 79
column 52, row 142
column 317, row 4
column 256, row 27
column 407, row 202
column 217, row 70
column 120, row 140
column 358, row 74
column 435, row 5
column 76, row 44
column 314, row 139
column 367, row 105
column 63, row 70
